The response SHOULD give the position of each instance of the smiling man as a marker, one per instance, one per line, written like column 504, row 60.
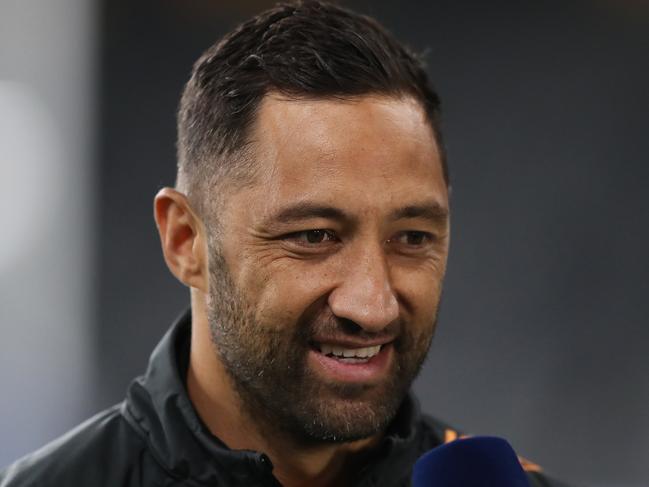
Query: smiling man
column 310, row 222
column 315, row 284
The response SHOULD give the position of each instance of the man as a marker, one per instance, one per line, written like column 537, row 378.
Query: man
column 311, row 223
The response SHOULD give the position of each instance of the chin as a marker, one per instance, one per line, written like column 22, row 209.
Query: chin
column 354, row 415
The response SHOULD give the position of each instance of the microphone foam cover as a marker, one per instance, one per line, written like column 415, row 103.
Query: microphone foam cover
column 479, row 461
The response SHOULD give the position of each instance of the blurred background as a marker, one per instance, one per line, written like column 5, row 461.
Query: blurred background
column 544, row 331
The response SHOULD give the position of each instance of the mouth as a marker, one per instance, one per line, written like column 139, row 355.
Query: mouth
column 349, row 355
column 350, row 363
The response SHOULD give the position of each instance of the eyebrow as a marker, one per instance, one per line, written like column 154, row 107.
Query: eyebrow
column 306, row 210
column 432, row 211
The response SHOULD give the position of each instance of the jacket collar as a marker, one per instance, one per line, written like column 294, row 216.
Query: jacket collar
column 158, row 406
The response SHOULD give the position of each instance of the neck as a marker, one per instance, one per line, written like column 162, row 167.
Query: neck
column 220, row 408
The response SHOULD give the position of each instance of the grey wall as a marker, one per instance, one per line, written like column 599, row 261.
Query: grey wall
column 543, row 331
column 46, row 235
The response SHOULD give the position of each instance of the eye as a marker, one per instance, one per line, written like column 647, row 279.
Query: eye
column 312, row 237
column 413, row 238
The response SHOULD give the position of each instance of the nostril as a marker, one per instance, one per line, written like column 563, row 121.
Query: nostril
column 349, row 326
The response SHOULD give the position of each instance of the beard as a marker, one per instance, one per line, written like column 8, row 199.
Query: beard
column 267, row 364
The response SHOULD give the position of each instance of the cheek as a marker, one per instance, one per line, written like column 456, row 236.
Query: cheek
column 283, row 291
column 419, row 289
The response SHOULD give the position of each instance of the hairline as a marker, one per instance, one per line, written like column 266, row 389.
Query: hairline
column 230, row 169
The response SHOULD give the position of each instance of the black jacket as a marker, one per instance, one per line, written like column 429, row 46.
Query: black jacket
column 155, row 438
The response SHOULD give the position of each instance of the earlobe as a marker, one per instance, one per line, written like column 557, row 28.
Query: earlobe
column 182, row 238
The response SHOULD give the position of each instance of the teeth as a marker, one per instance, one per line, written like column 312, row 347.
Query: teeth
column 366, row 352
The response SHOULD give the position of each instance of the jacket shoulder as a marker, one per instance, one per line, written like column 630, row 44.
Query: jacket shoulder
column 104, row 450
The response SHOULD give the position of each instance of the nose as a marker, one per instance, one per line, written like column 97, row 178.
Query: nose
column 365, row 294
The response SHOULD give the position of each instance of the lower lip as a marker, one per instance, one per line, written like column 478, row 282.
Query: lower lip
column 366, row 372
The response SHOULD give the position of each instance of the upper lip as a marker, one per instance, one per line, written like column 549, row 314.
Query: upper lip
column 351, row 343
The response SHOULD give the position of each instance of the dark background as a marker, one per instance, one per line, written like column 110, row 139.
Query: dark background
column 543, row 334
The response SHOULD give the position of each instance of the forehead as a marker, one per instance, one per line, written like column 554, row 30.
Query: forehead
column 372, row 149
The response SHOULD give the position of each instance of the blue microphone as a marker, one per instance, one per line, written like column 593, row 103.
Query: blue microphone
column 479, row 461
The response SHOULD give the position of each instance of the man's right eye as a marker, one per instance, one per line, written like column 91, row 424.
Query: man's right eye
column 312, row 237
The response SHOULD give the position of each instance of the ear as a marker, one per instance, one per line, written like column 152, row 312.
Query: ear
column 182, row 236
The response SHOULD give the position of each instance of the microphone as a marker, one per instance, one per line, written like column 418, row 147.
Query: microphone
column 479, row 461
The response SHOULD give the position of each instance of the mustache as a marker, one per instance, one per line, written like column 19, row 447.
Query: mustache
column 332, row 326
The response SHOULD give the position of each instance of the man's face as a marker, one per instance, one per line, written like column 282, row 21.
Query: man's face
column 326, row 277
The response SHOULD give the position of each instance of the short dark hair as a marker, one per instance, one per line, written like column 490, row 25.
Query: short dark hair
column 304, row 49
